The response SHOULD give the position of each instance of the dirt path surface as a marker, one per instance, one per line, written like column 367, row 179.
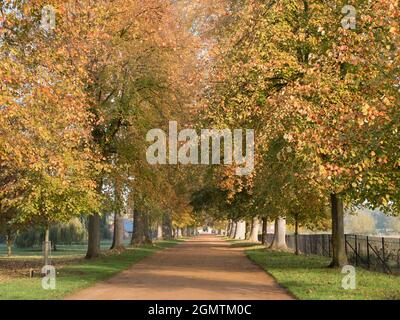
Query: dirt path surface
column 203, row 268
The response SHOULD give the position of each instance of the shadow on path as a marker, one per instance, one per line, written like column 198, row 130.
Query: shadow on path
column 202, row 268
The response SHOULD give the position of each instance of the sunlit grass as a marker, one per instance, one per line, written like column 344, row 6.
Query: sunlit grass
column 73, row 277
column 307, row 277
column 62, row 250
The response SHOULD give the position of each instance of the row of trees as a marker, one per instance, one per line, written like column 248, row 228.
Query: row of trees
column 76, row 101
column 323, row 101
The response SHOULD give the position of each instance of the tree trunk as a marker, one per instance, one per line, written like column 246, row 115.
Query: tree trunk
column 264, row 231
column 228, row 231
column 296, row 235
column 255, row 226
column 167, row 227
column 141, row 230
column 233, row 230
column 136, row 226
column 147, row 236
column 93, row 250
column 94, row 236
column 339, row 257
column 46, row 248
column 118, row 236
column 279, row 242
column 159, row 231
column 240, row 233
column 249, row 227
column 9, row 242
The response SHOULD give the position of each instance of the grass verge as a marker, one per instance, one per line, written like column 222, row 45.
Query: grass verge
column 307, row 277
column 74, row 277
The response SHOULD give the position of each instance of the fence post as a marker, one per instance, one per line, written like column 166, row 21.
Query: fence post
column 316, row 245
column 398, row 256
column 356, row 248
column 307, row 242
column 383, row 252
column 313, row 245
column 301, row 243
column 329, row 245
column 369, row 266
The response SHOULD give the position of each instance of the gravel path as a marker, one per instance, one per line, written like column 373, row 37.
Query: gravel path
column 205, row 268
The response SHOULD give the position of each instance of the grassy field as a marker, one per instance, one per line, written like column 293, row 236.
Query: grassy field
column 307, row 277
column 62, row 250
column 72, row 276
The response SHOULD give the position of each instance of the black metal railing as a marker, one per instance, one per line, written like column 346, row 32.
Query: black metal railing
column 374, row 253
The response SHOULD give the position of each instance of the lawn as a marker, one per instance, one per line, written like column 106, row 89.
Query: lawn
column 77, row 275
column 62, row 250
column 307, row 277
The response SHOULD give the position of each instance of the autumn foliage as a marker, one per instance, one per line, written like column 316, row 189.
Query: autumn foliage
column 77, row 100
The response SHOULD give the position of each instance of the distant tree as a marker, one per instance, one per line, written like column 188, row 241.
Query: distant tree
column 360, row 223
column 393, row 223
